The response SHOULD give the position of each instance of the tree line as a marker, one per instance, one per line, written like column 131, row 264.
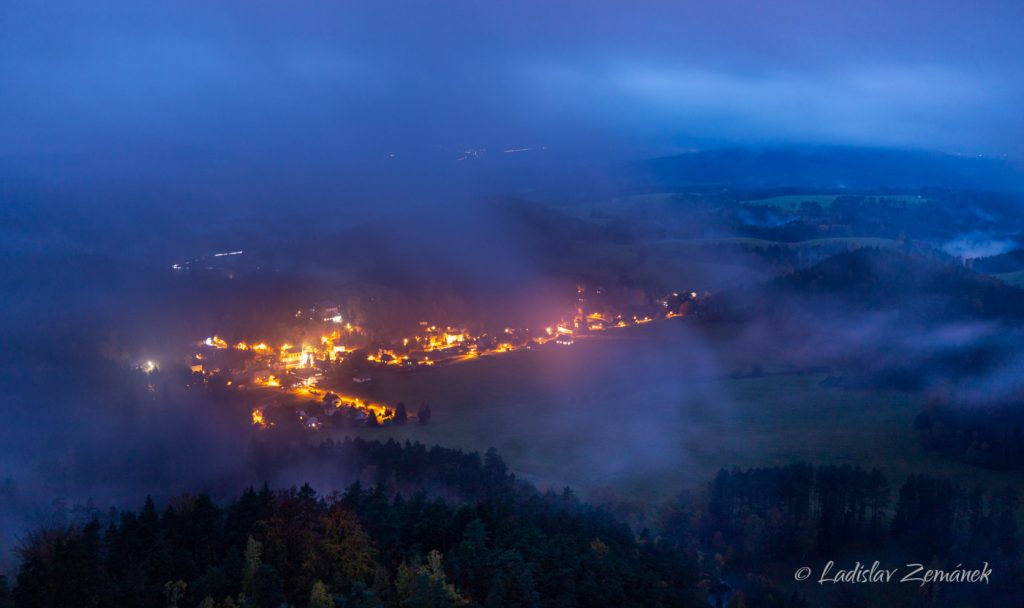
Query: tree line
column 494, row 541
column 745, row 521
column 435, row 527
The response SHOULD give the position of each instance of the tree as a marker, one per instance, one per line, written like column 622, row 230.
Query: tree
column 345, row 549
column 497, row 471
column 253, row 560
column 6, row 601
column 513, row 583
column 423, row 415
column 371, row 418
column 425, row 585
column 320, row 597
column 63, row 568
column 472, row 561
column 401, row 416
column 1004, row 511
column 361, row 596
column 174, row 592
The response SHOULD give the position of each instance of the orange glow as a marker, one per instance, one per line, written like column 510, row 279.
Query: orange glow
column 299, row 370
column 215, row 342
column 270, row 381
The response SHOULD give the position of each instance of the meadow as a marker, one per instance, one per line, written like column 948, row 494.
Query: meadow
column 651, row 410
column 792, row 202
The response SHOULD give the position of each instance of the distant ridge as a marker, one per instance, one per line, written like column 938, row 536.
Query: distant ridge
column 827, row 167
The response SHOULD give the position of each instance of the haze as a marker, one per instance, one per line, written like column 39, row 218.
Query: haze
column 306, row 86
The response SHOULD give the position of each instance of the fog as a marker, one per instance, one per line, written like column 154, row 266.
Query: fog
column 426, row 159
column 317, row 86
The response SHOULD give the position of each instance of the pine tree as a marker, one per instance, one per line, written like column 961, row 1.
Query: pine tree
column 401, row 415
column 253, row 561
column 6, row 601
column 472, row 561
column 361, row 596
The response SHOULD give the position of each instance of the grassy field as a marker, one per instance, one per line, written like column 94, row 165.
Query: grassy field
column 1012, row 278
column 651, row 410
column 675, row 245
column 794, row 201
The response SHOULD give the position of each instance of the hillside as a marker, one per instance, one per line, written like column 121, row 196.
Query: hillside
column 830, row 167
column 873, row 279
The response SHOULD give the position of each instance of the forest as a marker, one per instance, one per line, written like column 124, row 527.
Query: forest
column 433, row 527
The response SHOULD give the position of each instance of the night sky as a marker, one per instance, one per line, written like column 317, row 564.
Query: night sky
column 289, row 82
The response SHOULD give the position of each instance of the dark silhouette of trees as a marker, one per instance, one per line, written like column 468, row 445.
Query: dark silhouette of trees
column 6, row 601
column 401, row 416
column 493, row 540
column 989, row 435
column 440, row 527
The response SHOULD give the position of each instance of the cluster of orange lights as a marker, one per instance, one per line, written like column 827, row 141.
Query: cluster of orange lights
column 446, row 344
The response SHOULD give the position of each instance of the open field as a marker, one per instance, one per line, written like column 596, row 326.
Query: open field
column 1012, row 278
column 651, row 410
column 794, row 201
column 755, row 243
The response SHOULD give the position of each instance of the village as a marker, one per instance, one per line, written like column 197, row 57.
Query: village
column 321, row 382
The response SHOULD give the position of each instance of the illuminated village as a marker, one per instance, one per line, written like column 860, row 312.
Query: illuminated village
column 321, row 375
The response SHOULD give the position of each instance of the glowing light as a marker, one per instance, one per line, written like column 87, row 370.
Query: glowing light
column 454, row 343
column 215, row 342
column 270, row 381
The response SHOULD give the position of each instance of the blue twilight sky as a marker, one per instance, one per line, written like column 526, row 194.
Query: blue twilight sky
column 286, row 80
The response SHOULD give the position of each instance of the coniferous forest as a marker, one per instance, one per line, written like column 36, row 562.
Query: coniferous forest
column 481, row 537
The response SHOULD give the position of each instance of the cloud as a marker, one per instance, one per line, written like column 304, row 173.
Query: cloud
column 325, row 78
